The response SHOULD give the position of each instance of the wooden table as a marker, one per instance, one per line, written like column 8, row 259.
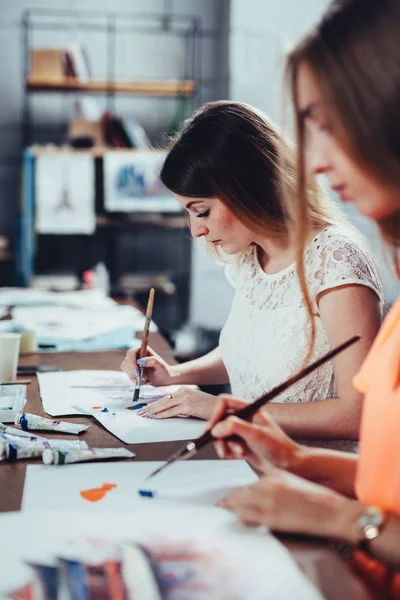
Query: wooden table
column 321, row 564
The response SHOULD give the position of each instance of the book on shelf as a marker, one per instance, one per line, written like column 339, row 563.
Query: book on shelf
column 58, row 64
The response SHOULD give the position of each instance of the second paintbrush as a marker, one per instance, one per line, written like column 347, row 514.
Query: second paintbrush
column 145, row 339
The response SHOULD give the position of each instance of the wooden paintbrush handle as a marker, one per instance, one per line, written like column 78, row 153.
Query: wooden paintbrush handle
column 149, row 312
column 250, row 409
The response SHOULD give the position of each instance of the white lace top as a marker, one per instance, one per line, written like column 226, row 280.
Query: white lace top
column 266, row 336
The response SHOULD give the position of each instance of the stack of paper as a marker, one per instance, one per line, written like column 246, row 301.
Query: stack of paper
column 91, row 299
column 108, row 396
column 68, row 329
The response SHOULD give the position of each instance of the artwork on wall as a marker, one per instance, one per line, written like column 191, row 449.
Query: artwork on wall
column 65, row 193
column 132, row 183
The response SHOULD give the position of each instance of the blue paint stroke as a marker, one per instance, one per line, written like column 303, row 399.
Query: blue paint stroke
column 146, row 493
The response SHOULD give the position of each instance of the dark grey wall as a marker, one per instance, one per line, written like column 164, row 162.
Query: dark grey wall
column 151, row 55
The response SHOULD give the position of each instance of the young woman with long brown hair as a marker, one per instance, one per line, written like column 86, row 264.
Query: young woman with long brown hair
column 345, row 81
column 225, row 169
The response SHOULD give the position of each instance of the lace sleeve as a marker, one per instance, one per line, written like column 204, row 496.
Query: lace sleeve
column 335, row 258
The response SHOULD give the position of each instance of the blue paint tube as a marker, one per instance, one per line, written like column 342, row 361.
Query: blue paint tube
column 16, row 452
column 29, row 421
column 18, row 432
column 56, row 444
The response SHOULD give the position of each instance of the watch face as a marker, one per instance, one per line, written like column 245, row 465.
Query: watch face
column 371, row 532
column 370, row 517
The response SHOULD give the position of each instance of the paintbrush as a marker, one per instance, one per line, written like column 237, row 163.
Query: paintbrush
column 191, row 448
column 17, row 382
column 145, row 339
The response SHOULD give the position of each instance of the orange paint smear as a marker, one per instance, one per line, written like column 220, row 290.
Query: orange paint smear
column 96, row 407
column 96, row 494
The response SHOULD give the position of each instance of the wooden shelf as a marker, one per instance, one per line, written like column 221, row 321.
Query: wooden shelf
column 142, row 88
column 95, row 151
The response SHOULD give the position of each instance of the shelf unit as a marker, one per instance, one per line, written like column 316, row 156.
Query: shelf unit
column 124, row 239
column 111, row 25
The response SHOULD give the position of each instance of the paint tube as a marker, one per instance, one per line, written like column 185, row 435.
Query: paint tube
column 29, row 421
column 18, row 432
column 61, row 457
column 44, row 442
column 3, row 449
column 140, row 577
column 16, row 452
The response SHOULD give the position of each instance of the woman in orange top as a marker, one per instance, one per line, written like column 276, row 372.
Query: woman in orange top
column 345, row 82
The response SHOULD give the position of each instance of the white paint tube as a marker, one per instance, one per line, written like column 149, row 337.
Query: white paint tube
column 18, row 432
column 16, row 452
column 59, row 457
column 3, row 449
column 29, row 421
column 44, row 442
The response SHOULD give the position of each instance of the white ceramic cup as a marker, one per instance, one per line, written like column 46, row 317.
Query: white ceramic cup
column 9, row 353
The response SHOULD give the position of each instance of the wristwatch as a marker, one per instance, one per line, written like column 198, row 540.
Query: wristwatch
column 370, row 523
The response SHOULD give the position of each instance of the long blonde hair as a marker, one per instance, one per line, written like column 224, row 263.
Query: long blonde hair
column 353, row 54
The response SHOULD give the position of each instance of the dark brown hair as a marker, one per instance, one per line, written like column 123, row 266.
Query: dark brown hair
column 231, row 151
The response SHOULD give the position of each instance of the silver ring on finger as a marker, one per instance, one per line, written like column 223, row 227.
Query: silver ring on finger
column 169, row 396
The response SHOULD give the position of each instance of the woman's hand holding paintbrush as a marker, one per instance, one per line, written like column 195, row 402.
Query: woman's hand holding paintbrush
column 155, row 370
column 250, row 409
column 260, row 441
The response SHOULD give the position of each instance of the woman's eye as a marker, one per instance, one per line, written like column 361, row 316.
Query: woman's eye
column 203, row 214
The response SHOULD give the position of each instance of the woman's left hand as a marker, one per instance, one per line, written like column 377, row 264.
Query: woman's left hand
column 287, row 503
column 185, row 401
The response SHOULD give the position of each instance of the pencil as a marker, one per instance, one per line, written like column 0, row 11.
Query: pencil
column 145, row 339
column 191, row 448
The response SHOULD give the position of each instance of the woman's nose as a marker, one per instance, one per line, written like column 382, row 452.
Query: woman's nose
column 317, row 160
column 198, row 229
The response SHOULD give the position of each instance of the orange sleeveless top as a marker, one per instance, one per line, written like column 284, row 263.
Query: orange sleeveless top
column 378, row 474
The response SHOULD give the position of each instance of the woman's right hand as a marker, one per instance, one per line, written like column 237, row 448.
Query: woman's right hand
column 262, row 442
column 155, row 369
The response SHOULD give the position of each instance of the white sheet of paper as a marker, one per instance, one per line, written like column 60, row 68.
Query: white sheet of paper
column 256, row 564
column 78, row 392
column 65, row 203
column 198, row 481
column 73, row 324
column 92, row 299
column 131, row 428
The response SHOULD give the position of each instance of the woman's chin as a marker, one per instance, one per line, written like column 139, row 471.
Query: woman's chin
column 232, row 249
column 377, row 210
